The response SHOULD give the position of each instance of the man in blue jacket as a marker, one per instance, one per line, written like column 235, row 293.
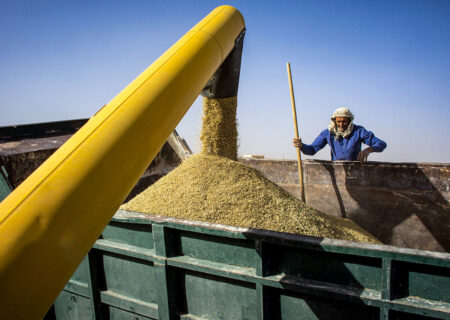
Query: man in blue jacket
column 344, row 138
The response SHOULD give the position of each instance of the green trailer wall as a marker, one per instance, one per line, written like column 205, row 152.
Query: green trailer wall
column 152, row 267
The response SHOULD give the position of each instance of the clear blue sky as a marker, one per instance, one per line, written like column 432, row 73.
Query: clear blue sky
column 388, row 61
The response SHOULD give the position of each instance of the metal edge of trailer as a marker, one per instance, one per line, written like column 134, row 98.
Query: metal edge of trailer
column 155, row 267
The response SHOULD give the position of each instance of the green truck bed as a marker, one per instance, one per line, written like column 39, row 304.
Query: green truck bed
column 154, row 267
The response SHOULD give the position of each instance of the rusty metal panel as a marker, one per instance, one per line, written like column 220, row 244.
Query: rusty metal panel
column 23, row 148
column 402, row 204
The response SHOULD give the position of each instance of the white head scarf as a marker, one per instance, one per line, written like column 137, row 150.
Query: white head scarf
column 345, row 113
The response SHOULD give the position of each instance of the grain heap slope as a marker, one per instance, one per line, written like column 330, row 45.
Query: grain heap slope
column 212, row 187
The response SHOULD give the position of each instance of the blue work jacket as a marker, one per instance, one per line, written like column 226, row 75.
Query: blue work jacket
column 345, row 148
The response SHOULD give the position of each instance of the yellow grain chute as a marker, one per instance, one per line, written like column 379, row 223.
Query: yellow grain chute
column 49, row 223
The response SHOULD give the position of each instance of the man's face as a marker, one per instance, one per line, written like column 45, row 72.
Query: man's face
column 342, row 123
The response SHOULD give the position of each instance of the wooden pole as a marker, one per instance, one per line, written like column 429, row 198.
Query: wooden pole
column 294, row 113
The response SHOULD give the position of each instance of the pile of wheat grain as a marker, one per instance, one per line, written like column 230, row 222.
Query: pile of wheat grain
column 213, row 187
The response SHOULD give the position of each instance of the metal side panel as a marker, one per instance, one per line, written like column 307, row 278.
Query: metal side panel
column 5, row 187
column 154, row 267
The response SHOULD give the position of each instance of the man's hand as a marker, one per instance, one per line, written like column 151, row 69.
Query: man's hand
column 362, row 156
column 297, row 143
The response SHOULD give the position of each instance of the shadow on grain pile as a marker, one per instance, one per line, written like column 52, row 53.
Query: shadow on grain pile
column 213, row 187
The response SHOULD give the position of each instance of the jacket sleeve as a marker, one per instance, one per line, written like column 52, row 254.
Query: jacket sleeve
column 369, row 138
column 318, row 144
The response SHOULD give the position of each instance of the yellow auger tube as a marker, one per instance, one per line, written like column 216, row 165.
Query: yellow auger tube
column 49, row 223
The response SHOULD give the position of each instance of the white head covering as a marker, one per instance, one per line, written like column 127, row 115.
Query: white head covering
column 345, row 113
column 342, row 112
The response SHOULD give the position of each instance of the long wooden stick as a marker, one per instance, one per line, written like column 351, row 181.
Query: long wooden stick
column 294, row 113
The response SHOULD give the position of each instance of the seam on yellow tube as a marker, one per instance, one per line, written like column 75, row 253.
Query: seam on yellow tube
column 217, row 41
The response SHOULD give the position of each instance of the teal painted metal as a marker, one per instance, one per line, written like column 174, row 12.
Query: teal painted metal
column 153, row 267
column 5, row 187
